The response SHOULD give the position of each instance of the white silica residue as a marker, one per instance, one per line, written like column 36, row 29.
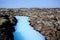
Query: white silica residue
column 24, row 31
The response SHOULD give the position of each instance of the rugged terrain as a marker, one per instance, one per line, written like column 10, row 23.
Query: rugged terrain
column 44, row 20
column 6, row 27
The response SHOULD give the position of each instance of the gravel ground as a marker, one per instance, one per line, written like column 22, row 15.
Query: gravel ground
column 44, row 20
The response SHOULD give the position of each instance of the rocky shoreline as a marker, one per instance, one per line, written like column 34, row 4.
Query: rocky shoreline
column 6, row 27
column 44, row 20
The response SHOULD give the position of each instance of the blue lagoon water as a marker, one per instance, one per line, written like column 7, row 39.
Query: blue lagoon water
column 24, row 31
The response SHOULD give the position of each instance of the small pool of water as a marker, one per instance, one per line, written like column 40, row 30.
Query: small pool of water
column 24, row 31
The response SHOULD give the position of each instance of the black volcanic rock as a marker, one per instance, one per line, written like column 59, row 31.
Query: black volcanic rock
column 6, row 27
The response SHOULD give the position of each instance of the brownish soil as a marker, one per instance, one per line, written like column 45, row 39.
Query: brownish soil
column 44, row 20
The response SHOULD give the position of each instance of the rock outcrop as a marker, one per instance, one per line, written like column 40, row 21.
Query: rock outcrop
column 6, row 27
column 44, row 20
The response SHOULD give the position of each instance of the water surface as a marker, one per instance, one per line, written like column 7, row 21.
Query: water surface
column 24, row 31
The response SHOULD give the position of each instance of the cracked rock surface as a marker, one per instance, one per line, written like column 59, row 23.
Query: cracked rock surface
column 44, row 20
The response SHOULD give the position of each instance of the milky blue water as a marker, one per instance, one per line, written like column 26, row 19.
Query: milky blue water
column 24, row 31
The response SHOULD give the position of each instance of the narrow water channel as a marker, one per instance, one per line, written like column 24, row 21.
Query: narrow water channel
column 24, row 31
